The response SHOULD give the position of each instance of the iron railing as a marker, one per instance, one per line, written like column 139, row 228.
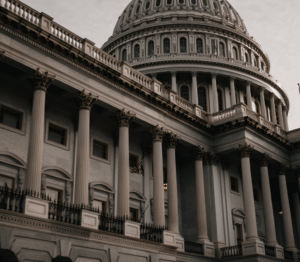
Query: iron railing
column 270, row 251
column 65, row 212
column 233, row 251
column 109, row 223
column 152, row 233
column 288, row 255
column 195, row 248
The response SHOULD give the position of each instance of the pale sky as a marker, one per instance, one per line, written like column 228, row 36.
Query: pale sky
column 275, row 24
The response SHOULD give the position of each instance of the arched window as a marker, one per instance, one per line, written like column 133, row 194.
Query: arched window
column 169, row 2
column 148, row 5
column 138, row 9
column 185, row 93
column 166, row 46
column 234, row 53
column 183, row 48
column 193, row 2
column 262, row 66
column 181, row 1
column 205, row 2
column 220, row 99
column 199, row 44
column 255, row 62
column 216, row 6
column 150, row 48
column 124, row 55
column 137, row 51
column 246, row 58
column 257, row 107
column 202, row 98
column 129, row 14
column 225, row 10
column 214, row 48
column 222, row 49
column 157, row 2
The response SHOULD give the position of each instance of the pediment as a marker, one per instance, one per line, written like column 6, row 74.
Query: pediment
column 238, row 212
column 102, row 186
column 134, row 194
column 57, row 173
column 12, row 159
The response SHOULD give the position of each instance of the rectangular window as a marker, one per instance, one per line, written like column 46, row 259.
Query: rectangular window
column 100, row 149
column 101, row 205
column 239, row 234
column 55, row 194
column 234, row 182
column 133, row 161
column 11, row 117
column 7, row 182
column 57, row 134
column 134, row 213
column 256, row 194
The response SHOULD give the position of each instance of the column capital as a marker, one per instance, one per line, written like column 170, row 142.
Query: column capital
column 272, row 95
column 157, row 133
column 225, row 163
column 284, row 108
column 245, row 150
column 124, row 117
column 214, row 75
column 199, row 153
column 282, row 168
column 279, row 103
column 173, row 73
column 85, row 100
column 2, row 54
column 211, row 158
column 171, row 139
column 262, row 89
column 154, row 76
column 264, row 159
column 40, row 81
column 194, row 73
column 232, row 78
column 248, row 83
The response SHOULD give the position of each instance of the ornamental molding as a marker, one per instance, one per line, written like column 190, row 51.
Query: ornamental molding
column 245, row 149
column 171, row 139
column 211, row 158
column 124, row 117
column 7, row 217
column 40, row 81
column 264, row 159
column 86, row 100
column 199, row 153
column 157, row 133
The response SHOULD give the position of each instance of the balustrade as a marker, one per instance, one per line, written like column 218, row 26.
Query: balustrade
column 270, row 251
column 152, row 233
column 233, row 251
column 194, row 248
column 288, row 255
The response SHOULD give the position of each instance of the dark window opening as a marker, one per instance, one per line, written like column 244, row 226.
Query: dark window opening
column 124, row 55
column 234, row 53
column 220, row 99
column 157, row 2
column 239, row 234
column 202, row 98
column 166, row 46
column 199, row 43
column 11, row 117
column 57, row 134
column 222, row 49
column 138, row 9
column 133, row 161
column 184, row 92
column 151, row 48
column 183, row 45
column 234, row 183
column 100, row 149
column 134, row 214
column 148, row 5
column 136, row 51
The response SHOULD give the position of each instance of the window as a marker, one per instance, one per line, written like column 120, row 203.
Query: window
column 11, row 117
column 57, row 134
column 214, row 49
column 234, row 53
column 151, row 48
column 165, row 173
column 239, row 234
column 138, row 9
column 100, row 149
column 205, row 2
column 169, row 2
column 183, row 46
column 256, row 194
column 246, row 58
column 220, row 99
column 257, row 107
column 134, row 214
column 222, row 49
column 7, row 182
column 181, row 1
column 193, row 2
column 166, row 46
column 234, row 183
column 148, row 5
column 124, row 55
column 255, row 62
column 157, row 2
column 184, row 92
column 137, row 51
column 225, row 10
column 216, row 6
column 55, row 194
column 202, row 98
column 101, row 205
column 133, row 161
column 199, row 44
column 262, row 66
column 129, row 14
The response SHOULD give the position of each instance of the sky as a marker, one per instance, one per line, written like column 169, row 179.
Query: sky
column 275, row 24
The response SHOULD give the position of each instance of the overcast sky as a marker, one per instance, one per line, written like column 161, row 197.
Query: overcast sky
column 275, row 24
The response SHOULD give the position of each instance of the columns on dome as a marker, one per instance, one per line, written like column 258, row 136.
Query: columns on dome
column 285, row 119
column 280, row 115
column 232, row 90
column 124, row 119
column 249, row 97
column 214, row 93
column 40, row 83
column 86, row 101
column 171, row 143
column 157, row 133
column 194, row 88
column 273, row 109
column 262, row 102
column 174, row 81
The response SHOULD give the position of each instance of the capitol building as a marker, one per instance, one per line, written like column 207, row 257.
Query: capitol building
column 170, row 143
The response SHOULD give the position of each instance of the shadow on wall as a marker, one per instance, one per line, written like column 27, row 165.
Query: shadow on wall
column 7, row 255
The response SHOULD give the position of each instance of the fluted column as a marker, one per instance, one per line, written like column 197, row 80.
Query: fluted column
column 86, row 101
column 194, row 88
column 232, row 91
column 262, row 102
column 199, row 154
column 285, row 120
column 171, row 141
column 158, row 177
column 273, row 109
column 249, row 97
column 267, row 201
column 174, row 81
column 40, row 83
column 297, row 212
column 280, row 116
column 245, row 151
column 214, row 93
column 124, row 118
column 286, row 211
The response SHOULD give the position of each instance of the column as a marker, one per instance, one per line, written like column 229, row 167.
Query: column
column 232, row 91
column 174, row 81
column 171, row 141
column 262, row 102
column 285, row 120
column 194, row 88
column 267, row 201
column 249, row 97
column 286, row 211
column 154, row 76
column 199, row 154
column 297, row 213
column 251, row 227
column 124, row 119
column 86, row 102
column 280, row 116
column 158, row 177
column 227, row 98
column 273, row 110
column 214, row 93
column 40, row 83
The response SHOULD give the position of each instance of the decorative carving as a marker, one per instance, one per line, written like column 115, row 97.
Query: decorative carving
column 40, row 81
column 171, row 139
column 282, row 168
column 86, row 100
column 225, row 163
column 124, row 117
column 199, row 153
column 245, row 150
column 21, row 179
column 2, row 54
column 194, row 73
column 173, row 73
column 92, row 195
column 157, row 133
column 68, row 191
column 43, row 184
column 264, row 159
column 211, row 158
column 111, row 203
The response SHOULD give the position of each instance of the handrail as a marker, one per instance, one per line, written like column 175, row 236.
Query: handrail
column 152, row 232
column 288, row 255
column 233, row 251
column 270, row 251
column 194, row 248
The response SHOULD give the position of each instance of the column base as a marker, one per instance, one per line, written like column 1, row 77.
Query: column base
column 253, row 247
column 89, row 219
column 173, row 239
column 132, row 229
column 208, row 247
column 36, row 207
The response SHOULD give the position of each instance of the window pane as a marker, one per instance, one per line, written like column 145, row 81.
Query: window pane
column 147, row 5
column 234, row 184
column 202, row 98
column 183, row 47
column 214, row 50
column 11, row 117
column 185, row 93
column 138, row 9
column 97, row 204
column 57, row 134
column 124, row 55
column 234, row 52
column 199, row 43
column 205, row 2
column 222, row 49
column 133, row 160
column 181, row 1
column 193, row 2
column 157, row 2
column 151, row 48
column 54, row 194
column 100, row 149
column 166, row 45
column 136, row 51
column 220, row 100
column 169, row 2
